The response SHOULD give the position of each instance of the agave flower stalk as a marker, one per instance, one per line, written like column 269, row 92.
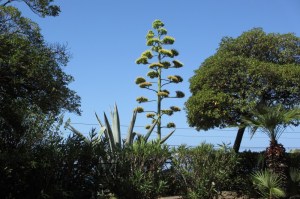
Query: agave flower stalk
column 159, row 58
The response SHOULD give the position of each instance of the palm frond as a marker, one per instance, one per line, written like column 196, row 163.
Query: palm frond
column 271, row 121
column 268, row 184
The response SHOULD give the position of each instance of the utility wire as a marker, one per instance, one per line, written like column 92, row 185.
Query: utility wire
column 179, row 128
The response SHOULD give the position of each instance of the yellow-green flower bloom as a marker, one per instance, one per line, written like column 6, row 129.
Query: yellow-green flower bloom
column 147, row 54
column 167, row 112
column 142, row 60
column 163, row 94
column 179, row 94
column 157, row 24
column 177, row 64
column 140, row 80
column 175, row 108
column 168, row 40
column 145, row 84
column 150, row 115
column 139, row 109
column 156, row 65
column 141, row 99
column 166, row 52
column 152, row 74
column 171, row 125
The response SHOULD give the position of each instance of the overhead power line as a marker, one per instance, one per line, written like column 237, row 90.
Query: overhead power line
column 179, row 128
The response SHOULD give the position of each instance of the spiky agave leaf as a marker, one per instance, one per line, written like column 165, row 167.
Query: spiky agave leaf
column 167, row 137
column 116, row 130
column 102, row 127
column 78, row 133
column 146, row 137
column 109, row 134
column 130, row 133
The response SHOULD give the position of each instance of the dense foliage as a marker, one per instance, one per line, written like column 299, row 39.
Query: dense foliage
column 33, row 86
column 205, row 171
column 253, row 69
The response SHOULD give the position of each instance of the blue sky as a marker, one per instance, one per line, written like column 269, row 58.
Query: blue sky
column 105, row 37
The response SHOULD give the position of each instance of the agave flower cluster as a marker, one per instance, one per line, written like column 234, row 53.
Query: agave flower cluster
column 158, row 58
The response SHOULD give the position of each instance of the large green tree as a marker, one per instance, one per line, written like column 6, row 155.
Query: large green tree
column 159, row 59
column 33, row 93
column 32, row 80
column 253, row 69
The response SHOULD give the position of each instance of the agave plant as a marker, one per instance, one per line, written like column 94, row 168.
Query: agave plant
column 113, row 131
column 268, row 184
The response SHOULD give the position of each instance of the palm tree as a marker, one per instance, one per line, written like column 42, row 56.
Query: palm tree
column 272, row 121
column 268, row 184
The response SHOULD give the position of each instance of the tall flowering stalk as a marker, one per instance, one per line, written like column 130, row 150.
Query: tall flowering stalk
column 158, row 58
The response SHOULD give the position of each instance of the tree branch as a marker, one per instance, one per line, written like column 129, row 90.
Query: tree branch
column 151, row 89
column 9, row 1
column 166, row 83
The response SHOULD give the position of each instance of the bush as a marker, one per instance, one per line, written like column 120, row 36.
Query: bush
column 139, row 171
column 204, row 171
column 55, row 168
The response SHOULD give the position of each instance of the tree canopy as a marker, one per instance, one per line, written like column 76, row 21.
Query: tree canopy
column 32, row 79
column 253, row 69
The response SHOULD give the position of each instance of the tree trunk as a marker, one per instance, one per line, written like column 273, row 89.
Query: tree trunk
column 238, row 139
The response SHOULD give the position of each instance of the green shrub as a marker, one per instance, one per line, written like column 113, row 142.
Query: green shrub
column 204, row 171
column 139, row 171
column 249, row 162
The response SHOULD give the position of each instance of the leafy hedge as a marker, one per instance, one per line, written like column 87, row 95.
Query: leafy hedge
column 78, row 167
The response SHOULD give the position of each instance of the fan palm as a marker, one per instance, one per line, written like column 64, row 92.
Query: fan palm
column 272, row 121
column 268, row 184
